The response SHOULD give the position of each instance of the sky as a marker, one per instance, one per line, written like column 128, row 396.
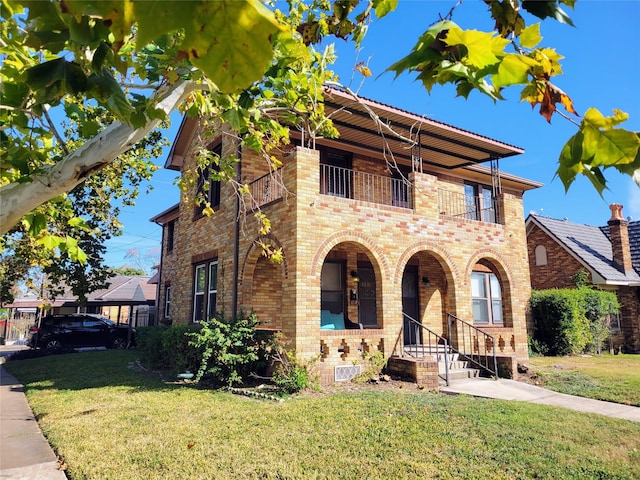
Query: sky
column 601, row 69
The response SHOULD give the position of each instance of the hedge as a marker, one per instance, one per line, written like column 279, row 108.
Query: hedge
column 571, row 321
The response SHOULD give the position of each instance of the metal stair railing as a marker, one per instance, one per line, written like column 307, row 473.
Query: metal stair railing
column 470, row 338
column 434, row 344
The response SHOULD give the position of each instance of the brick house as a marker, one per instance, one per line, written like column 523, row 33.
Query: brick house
column 610, row 254
column 378, row 253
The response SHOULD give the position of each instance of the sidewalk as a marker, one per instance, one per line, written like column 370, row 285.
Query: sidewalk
column 504, row 389
column 24, row 452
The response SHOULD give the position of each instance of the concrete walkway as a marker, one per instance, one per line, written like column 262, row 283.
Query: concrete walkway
column 25, row 454
column 504, row 389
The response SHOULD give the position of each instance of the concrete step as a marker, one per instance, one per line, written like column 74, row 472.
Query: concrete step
column 455, row 365
column 464, row 373
column 453, row 357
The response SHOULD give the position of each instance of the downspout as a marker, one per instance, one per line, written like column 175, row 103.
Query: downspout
column 156, row 319
column 236, row 239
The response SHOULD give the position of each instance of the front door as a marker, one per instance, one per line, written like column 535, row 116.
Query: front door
column 367, row 297
column 410, row 305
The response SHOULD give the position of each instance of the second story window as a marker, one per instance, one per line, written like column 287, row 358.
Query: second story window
column 171, row 227
column 209, row 188
column 479, row 203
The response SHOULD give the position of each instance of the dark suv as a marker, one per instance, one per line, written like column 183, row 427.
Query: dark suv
column 79, row 330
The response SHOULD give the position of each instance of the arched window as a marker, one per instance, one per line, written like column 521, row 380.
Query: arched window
column 541, row 255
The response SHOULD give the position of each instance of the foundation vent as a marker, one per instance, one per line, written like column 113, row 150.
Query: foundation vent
column 346, row 372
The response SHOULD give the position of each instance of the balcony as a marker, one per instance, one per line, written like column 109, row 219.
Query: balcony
column 366, row 187
column 265, row 190
column 468, row 207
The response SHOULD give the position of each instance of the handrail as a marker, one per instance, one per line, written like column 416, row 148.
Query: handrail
column 266, row 189
column 468, row 207
column 417, row 340
column 366, row 187
column 468, row 338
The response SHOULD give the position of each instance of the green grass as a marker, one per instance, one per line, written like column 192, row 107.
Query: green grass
column 109, row 422
column 614, row 378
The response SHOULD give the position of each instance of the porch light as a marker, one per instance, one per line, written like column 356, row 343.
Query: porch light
column 426, row 281
column 355, row 276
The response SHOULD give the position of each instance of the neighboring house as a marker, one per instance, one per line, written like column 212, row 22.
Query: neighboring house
column 127, row 299
column 558, row 249
column 369, row 240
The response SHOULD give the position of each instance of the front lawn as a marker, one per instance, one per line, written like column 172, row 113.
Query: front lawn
column 614, row 378
column 109, row 421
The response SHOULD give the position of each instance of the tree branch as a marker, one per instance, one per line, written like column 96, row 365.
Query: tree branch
column 18, row 199
column 53, row 128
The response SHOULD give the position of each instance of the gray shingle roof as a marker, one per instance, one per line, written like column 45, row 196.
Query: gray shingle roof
column 593, row 246
column 124, row 288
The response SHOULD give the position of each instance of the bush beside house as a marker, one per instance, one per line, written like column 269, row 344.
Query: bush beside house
column 571, row 321
column 224, row 351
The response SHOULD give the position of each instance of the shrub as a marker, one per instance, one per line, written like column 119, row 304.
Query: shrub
column 228, row 348
column 598, row 307
column 168, row 348
column 290, row 374
column 373, row 366
column 570, row 321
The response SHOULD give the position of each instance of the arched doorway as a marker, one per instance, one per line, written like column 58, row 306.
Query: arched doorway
column 427, row 296
column 350, row 289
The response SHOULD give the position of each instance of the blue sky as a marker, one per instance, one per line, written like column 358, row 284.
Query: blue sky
column 601, row 70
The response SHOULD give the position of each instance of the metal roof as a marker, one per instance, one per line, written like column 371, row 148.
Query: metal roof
column 437, row 143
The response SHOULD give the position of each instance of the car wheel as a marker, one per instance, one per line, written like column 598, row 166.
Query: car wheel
column 53, row 344
column 119, row 343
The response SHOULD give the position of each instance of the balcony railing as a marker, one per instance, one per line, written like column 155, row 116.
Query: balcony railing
column 366, row 187
column 265, row 190
column 468, row 207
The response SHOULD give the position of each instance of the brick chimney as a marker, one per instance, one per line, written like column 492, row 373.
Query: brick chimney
column 619, row 238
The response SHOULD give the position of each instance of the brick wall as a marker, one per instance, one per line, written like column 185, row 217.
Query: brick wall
column 311, row 228
column 560, row 267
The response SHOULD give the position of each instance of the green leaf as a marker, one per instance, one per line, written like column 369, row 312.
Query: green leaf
column 49, row 241
column 483, row 48
column 530, row 36
column 383, row 7
column 229, row 40
column 76, row 222
column 59, row 76
column 425, row 52
column 118, row 14
column 597, row 144
column 107, row 91
column 35, row 223
column 547, row 8
column 513, row 69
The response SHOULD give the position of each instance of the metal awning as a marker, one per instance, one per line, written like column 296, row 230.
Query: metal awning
column 437, row 143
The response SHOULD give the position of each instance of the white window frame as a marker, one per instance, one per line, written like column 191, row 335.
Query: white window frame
column 487, row 298
column 167, row 301
column 205, row 291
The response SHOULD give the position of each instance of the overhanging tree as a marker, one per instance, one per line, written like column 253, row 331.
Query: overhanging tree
column 250, row 64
